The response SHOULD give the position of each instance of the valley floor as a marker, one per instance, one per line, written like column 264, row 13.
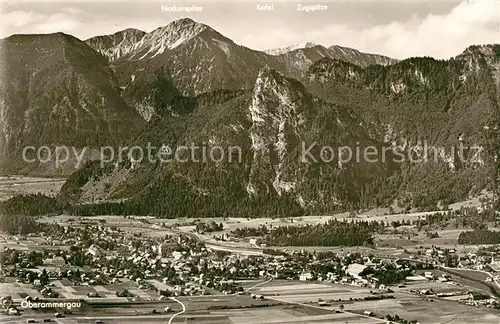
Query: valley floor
column 22, row 185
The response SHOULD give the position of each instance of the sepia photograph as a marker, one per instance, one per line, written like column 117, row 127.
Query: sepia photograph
column 250, row 162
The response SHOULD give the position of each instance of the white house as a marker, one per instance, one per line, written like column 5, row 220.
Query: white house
column 177, row 255
column 495, row 262
column 55, row 261
column 355, row 269
column 94, row 250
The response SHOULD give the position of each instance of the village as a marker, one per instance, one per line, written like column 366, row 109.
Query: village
column 95, row 262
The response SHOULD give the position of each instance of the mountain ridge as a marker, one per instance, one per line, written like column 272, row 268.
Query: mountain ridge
column 60, row 90
column 185, row 23
column 188, row 83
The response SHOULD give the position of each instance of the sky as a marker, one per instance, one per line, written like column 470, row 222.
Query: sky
column 398, row 29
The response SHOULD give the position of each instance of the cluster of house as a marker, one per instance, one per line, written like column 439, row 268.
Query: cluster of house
column 475, row 259
column 184, row 266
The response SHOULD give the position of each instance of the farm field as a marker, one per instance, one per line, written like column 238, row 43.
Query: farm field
column 152, row 226
column 386, row 245
column 406, row 305
column 272, row 315
column 21, row 185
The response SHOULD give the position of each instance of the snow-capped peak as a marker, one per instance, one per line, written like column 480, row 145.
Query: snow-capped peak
column 186, row 26
column 278, row 51
column 167, row 38
column 137, row 44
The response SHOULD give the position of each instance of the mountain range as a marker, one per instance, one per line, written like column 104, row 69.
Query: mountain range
column 187, row 83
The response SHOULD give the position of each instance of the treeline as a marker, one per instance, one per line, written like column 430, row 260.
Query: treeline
column 17, row 213
column 178, row 200
column 18, row 224
column 480, row 236
column 464, row 217
column 209, row 227
column 332, row 233
column 92, row 170
column 33, row 205
column 390, row 275
column 250, row 231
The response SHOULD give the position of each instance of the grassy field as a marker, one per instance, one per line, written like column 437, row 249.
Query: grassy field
column 20, row 185
column 132, row 225
column 406, row 305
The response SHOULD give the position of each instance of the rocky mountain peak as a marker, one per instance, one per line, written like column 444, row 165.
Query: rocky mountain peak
column 309, row 44
column 185, row 26
column 334, row 69
column 489, row 50
column 477, row 55
column 117, row 45
column 167, row 38
column 359, row 58
column 267, row 73
column 47, row 50
column 283, row 50
column 270, row 81
column 477, row 58
column 131, row 32
column 53, row 39
column 60, row 90
column 276, row 113
column 136, row 44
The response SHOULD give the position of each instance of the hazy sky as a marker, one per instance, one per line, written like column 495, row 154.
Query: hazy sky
column 395, row 28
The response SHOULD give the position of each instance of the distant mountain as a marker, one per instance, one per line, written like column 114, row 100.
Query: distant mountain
column 135, row 44
column 301, row 59
column 185, row 57
column 191, row 58
column 118, row 45
column 460, row 90
column 354, row 56
column 426, row 104
column 404, row 107
column 302, row 56
column 279, row 51
column 186, row 83
column 269, row 124
column 58, row 90
column 285, row 118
